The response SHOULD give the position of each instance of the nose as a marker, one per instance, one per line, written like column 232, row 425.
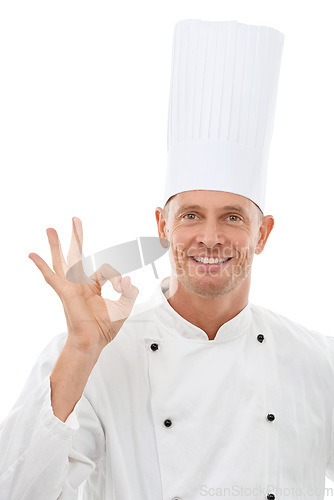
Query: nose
column 211, row 234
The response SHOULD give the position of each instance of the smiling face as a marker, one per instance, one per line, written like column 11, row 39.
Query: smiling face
column 213, row 237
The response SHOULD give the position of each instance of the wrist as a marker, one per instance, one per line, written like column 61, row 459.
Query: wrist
column 86, row 351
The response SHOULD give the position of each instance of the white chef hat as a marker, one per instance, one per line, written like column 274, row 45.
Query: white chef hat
column 222, row 101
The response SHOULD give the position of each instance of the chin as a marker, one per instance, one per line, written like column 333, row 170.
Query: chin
column 208, row 287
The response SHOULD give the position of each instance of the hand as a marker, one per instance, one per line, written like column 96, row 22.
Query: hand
column 92, row 321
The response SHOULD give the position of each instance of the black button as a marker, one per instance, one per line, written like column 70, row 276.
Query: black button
column 271, row 496
column 154, row 347
column 260, row 337
column 168, row 423
column 270, row 417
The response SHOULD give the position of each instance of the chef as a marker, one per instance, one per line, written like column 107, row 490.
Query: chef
column 200, row 393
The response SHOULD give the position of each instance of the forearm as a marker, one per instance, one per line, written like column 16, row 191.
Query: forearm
column 69, row 378
column 34, row 449
column 39, row 459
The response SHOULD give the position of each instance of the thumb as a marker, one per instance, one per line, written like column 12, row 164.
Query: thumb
column 124, row 286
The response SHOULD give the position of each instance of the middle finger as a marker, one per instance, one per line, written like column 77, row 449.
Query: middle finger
column 58, row 261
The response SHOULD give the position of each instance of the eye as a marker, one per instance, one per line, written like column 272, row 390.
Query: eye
column 191, row 216
column 234, row 218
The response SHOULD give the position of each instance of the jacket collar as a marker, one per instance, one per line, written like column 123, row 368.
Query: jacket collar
column 232, row 329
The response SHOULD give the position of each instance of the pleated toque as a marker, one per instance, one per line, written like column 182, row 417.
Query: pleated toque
column 223, row 91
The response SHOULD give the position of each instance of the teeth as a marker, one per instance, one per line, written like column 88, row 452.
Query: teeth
column 206, row 260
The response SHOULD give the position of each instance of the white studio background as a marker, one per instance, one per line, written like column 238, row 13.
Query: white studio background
column 84, row 92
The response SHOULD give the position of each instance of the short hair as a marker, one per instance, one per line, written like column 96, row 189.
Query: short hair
column 166, row 209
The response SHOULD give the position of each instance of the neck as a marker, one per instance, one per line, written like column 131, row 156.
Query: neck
column 207, row 313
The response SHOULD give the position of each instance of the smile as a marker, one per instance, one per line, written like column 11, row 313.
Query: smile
column 206, row 260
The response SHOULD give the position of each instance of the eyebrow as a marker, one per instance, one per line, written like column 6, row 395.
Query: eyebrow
column 225, row 208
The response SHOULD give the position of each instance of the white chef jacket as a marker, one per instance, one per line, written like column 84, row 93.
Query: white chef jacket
column 168, row 414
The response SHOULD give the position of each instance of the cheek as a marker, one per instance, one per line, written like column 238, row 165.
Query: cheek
column 180, row 236
column 178, row 242
column 244, row 245
column 175, row 232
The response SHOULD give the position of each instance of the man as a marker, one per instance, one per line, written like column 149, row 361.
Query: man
column 201, row 393
column 224, row 226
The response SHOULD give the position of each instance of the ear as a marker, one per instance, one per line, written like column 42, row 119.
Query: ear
column 161, row 224
column 264, row 231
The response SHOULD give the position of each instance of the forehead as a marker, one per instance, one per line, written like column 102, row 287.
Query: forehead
column 210, row 200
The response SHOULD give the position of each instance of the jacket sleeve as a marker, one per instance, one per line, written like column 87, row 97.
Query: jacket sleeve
column 41, row 457
column 330, row 462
